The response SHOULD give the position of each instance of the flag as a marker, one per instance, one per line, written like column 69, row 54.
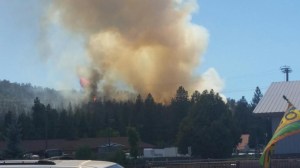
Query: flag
column 289, row 125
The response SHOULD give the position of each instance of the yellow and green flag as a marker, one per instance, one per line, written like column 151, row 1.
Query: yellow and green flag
column 289, row 125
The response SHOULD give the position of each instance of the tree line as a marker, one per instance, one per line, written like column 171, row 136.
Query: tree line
column 202, row 121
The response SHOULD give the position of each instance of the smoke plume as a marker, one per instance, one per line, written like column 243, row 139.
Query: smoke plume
column 145, row 46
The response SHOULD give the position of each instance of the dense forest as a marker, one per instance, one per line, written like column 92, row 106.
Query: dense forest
column 202, row 121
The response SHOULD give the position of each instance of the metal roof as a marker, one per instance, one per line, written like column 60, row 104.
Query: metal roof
column 272, row 101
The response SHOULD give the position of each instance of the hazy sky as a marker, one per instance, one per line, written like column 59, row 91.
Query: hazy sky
column 248, row 43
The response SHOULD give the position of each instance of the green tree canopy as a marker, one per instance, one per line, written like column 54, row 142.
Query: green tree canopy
column 39, row 119
column 256, row 97
column 259, row 125
column 209, row 128
column 13, row 139
column 133, row 140
column 243, row 114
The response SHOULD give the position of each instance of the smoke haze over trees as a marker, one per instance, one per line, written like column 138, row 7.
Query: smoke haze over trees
column 18, row 97
column 199, row 120
column 139, row 48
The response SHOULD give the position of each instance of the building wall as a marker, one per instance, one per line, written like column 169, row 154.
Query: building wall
column 165, row 152
column 289, row 145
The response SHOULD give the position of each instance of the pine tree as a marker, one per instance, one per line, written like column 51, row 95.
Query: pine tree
column 258, row 125
column 209, row 128
column 179, row 109
column 133, row 140
column 13, row 139
column 39, row 119
column 25, row 123
column 243, row 114
column 256, row 97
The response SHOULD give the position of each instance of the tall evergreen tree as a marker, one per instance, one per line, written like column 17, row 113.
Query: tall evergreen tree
column 63, row 125
column 147, row 131
column 25, row 123
column 138, row 114
column 13, row 140
column 51, row 122
column 195, row 97
column 133, row 140
column 39, row 119
column 8, row 119
column 256, row 97
column 259, row 126
column 179, row 109
column 181, row 95
column 243, row 114
column 231, row 103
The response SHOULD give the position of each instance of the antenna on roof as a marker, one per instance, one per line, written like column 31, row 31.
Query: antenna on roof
column 286, row 69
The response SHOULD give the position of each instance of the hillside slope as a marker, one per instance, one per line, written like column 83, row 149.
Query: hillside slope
column 19, row 97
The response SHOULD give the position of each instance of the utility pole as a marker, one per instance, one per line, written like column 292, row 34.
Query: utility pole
column 46, row 127
column 286, row 69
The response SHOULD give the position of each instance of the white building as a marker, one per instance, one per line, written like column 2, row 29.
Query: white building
column 165, row 152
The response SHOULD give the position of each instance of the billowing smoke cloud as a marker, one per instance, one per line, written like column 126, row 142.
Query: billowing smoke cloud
column 146, row 46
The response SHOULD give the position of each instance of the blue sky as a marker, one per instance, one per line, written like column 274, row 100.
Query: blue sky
column 248, row 43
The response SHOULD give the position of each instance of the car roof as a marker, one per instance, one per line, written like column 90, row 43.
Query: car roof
column 58, row 164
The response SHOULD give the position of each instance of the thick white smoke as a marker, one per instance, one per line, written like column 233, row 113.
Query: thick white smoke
column 147, row 46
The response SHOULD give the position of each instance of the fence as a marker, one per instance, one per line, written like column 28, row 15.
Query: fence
column 254, row 163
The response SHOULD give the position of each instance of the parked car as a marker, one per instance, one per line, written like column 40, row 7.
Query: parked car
column 31, row 156
column 53, row 153
column 58, row 164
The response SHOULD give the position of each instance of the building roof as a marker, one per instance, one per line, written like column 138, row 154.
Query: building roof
column 71, row 145
column 273, row 102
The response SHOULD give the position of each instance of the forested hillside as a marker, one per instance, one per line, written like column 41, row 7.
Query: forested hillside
column 201, row 120
column 19, row 97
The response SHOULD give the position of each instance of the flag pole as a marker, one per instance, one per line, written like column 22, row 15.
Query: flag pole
column 289, row 125
column 288, row 101
column 284, row 97
column 273, row 146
